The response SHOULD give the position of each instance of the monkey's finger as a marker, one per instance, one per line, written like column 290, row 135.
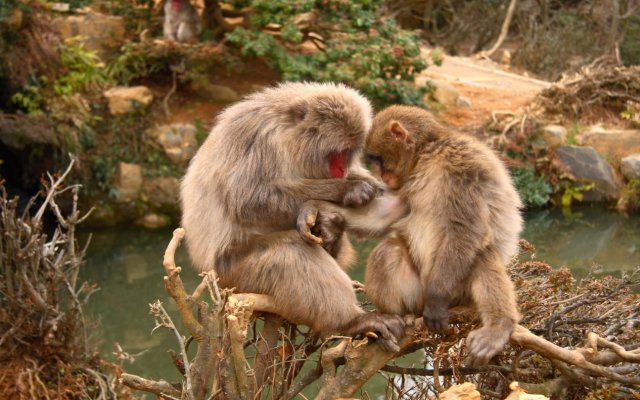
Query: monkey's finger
column 389, row 345
column 387, row 340
column 395, row 324
column 311, row 238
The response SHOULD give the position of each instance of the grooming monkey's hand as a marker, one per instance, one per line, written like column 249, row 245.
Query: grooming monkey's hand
column 320, row 227
column 388, row 328
column 436, row 314
column 361, row 192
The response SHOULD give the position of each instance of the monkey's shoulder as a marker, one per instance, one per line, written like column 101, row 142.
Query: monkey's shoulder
column 456, row 156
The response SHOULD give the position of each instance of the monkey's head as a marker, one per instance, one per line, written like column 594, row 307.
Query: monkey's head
column 392, row 144
column 328, row 126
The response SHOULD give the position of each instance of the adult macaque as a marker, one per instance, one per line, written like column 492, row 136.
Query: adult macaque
column 461, row 231
column 181, row 21
column 242, row 194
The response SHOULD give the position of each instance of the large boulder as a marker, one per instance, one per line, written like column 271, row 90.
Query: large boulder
column 178, row 141
column 614, row 144
column 128, row 181
column 162, row 193
column 123, row 100
column 101, row 33
column 584, row 165
column 630, row 166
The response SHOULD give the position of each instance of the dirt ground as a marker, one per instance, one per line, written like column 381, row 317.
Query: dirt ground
column 489, row 86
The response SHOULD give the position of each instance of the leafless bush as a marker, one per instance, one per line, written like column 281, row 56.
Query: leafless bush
column 44, row 351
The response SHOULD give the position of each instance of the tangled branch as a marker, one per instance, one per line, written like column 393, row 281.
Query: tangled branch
column 344, row 365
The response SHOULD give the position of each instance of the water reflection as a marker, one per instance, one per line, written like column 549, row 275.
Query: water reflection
column 585, row 239
column 127, row 266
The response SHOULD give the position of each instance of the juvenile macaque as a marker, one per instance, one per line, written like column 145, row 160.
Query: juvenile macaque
column 243, row 192
column 461, row 231
column 181, row 21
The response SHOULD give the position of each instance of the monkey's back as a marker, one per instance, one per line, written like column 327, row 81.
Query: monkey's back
column 460, row 184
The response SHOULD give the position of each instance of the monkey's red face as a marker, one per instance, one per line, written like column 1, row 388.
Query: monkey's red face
column 339, row 163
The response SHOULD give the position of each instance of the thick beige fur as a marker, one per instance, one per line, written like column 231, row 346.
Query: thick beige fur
column 242, row 193
column 461, row 231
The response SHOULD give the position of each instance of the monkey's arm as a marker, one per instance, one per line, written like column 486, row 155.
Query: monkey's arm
column 372, row 220
column 277, row 204
column 351, row 192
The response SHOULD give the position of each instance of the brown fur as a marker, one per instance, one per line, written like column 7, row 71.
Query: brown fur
column 242, row 193
column 461, row 231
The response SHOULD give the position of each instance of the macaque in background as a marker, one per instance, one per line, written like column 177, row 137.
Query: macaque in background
column 181, row 21
column 461, row 231
column 243, row 192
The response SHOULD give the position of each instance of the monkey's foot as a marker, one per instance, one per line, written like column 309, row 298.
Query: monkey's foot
column 436, row 314
column 389, row 329
column 485, row 342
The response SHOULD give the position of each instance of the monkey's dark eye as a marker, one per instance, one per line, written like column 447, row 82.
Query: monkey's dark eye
column 375, row 159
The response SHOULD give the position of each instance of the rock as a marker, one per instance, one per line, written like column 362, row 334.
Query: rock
column 517, row 393
column 126, row 99
column 212, row 92
column 128, row 181
column 506, row 57
column 614, row 144
column 444, row 94
column 101, row 33
column 465, row 391
column 22, row 130
column 463, row 102
column 162, row 193
column 554, row 135
column 584, row 165
column 154, row 221
column 630, row 166
column 178, row 141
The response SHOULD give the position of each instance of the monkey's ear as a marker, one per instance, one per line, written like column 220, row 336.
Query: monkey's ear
column 298, row 111
column 398, row 132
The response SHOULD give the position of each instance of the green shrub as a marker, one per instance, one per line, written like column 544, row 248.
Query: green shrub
column 359, row 48
column 83, row 70
column 534, row 190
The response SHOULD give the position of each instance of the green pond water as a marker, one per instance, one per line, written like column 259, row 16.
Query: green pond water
column 127, row 266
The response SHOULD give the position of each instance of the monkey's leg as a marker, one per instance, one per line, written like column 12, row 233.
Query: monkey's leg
column 308, row 287
column 391, row 280
column 494, row 296
column 185, row 33
column 168, row 28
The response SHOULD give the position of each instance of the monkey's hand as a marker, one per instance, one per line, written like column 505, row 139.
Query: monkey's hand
column 436, row 313
column 485, row 342
column 389, row 328
column 307, row 218
column 321, row 226
column 361, row 192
